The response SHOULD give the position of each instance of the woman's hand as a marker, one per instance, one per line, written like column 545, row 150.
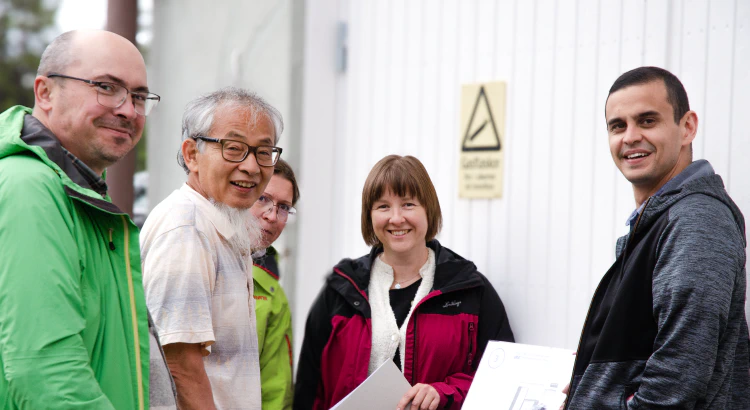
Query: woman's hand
column 421, row 396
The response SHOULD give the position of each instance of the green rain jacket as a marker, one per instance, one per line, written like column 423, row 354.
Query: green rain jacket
column 274, row 324
column 73, row 318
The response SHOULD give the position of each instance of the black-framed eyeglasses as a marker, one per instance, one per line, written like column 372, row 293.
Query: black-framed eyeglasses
column 266, row 204
column 237, row 151
column 113, row 95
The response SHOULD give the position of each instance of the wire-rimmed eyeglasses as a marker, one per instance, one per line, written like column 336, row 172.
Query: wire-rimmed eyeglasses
column 266, row 204
column 237, row 151
column 113, row 95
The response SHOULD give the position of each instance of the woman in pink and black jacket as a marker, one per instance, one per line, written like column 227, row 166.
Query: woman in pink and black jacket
column 410, row 300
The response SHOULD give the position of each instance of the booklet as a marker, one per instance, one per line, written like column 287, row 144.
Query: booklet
column 514, row 376
column 382, row 390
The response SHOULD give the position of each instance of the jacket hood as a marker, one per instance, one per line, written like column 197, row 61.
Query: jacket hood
column 452, row 271
column 698, row 178
column 10, row 141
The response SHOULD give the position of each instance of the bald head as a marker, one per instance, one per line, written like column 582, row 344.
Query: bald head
column 68, row 49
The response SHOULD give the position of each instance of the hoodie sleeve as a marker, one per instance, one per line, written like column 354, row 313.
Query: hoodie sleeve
column 699, row 271
column 44, row 357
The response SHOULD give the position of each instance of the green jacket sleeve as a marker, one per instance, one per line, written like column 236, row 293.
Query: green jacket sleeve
column 44, row 360
column 276, row 359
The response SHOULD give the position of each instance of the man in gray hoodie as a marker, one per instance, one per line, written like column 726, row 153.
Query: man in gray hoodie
column 666, row 328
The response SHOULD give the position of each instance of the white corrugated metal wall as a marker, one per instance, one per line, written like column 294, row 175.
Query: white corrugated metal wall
column 551, row 237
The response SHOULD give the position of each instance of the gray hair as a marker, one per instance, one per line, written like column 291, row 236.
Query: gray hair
column 199, row 114
column 57, row 56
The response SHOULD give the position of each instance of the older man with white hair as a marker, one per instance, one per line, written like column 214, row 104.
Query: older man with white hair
column 196, row 248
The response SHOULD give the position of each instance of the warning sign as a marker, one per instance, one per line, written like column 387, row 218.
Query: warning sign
column 480, row 173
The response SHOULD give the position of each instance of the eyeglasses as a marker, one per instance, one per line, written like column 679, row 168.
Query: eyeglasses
column 237, row 151
column 266, row 204
column 113, row 95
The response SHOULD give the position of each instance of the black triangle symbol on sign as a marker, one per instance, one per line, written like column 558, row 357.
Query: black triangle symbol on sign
column 469, row 135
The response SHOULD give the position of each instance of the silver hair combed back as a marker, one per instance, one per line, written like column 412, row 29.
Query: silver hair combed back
column 199, row 114
column 57, row 56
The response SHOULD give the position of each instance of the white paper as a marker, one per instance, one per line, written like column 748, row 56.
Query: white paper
column 513, row 376
column 382, row 390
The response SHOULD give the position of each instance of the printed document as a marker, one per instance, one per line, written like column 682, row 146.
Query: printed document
column 513, row 376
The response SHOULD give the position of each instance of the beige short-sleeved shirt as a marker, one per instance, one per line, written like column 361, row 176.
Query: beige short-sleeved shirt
column 199, row 290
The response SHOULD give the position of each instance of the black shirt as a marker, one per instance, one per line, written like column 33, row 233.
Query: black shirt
column 401, row 300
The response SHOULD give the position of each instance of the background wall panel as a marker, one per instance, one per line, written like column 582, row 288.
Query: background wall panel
column 560, row 198
column 546, row 243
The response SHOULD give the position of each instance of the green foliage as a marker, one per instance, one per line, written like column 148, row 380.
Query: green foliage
column 26, row 27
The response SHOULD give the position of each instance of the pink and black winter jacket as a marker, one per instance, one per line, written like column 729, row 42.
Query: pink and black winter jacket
column 445, row 337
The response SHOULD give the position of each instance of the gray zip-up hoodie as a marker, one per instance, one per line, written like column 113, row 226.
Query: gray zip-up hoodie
column 667, row 328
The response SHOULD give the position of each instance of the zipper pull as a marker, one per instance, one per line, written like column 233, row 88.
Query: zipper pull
column 111, row 243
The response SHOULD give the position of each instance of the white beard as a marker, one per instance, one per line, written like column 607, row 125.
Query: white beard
column 248, row 235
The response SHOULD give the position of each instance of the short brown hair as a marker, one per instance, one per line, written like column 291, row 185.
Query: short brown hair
column 284, row 170
column 403, row 176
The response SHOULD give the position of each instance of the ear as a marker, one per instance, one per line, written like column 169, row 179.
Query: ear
column 43, row 92
column 190, row 154
column 689, row 125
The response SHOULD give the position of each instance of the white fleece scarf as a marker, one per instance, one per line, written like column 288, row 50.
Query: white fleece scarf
column 386, row 336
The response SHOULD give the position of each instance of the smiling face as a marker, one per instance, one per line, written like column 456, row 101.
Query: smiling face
column 646, row 144
column 236, row 184
column 96, row 134
column 400, row 224
column 280, row 191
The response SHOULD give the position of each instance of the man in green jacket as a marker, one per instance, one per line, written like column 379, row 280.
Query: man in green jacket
column 274, row 320
column 74, row 332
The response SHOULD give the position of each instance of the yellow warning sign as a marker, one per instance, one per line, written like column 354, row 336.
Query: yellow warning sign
column 482, row 129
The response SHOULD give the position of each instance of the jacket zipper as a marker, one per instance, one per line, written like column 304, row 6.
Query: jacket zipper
column 133, row 313
column 414, row 318
column 470, row 360
column 580, row 339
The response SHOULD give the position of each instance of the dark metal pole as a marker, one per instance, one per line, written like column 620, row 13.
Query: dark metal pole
column 122, row 19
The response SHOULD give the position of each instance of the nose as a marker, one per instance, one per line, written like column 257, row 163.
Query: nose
column 126, row 109
column 631, row 135
column 250, row 164
column 397, row 217
column 271, row 214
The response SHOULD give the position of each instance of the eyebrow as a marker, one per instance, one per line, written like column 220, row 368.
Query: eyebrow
column 648, row 114
column 644, row 114
column 119, row 81
column 281, row 201
column 267, row 141
column 614, row 121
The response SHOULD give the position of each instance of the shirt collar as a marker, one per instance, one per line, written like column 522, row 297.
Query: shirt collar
column 217, row 219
